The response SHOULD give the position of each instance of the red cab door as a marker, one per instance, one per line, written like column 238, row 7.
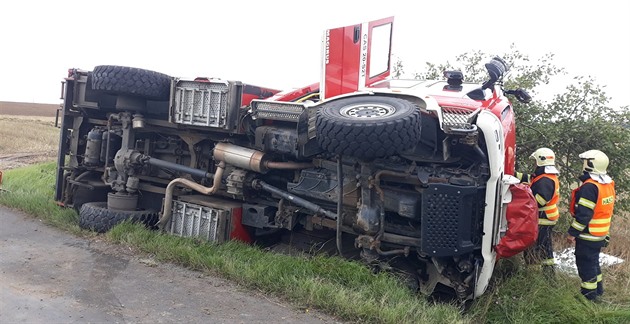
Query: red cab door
column 354, row 57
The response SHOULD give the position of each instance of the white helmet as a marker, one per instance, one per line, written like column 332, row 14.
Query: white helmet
column 595, row 161
column 543, row 157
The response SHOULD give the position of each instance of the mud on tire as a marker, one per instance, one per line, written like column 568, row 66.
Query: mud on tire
column 122, row 80
column 368, row 127
column 95, row 216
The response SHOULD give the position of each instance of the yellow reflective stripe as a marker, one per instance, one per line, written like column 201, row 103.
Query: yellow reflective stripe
column 599, row 277
column 548, row 262
column 600, row 221
column 542, row 221
column 523, row 177
column 577, row 225
column 540, row 199
column 586, row 203
column 599, row 230
column 554, row 214
column 589, row 285
column 588, row 237
column 547, row 207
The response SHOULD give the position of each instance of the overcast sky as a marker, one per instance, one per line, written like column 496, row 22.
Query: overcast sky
column 277, row 43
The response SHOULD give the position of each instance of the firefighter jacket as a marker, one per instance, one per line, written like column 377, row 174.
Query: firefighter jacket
column 592, row 208
column 546, row 190
column 523, row 177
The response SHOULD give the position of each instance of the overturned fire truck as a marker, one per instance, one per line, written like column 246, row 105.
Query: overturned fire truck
column 414, row 174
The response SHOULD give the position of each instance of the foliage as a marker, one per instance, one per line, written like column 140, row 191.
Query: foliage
column 574, row 121
column 398, row 69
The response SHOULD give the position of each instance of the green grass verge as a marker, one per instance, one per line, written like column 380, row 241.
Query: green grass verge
column 345, row 289
column 31, row 189
column 527, row 295
column 341, row 288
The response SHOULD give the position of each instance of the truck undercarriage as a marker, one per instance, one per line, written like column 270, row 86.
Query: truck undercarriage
column 398, row 180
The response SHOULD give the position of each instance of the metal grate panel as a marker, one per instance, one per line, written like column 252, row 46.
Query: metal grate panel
column 447, row 211
column 285, row 111
column 201, row 103
column 454, row 118
column 192, row 220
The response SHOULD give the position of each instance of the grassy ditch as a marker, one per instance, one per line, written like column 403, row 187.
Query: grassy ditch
column 341, row 288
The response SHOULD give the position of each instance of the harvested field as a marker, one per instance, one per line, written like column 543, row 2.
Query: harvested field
column 27, row 133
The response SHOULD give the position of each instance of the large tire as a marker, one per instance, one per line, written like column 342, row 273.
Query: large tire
column 83, row 195
column 368, row 127
column 122, row 80
column 95, row 216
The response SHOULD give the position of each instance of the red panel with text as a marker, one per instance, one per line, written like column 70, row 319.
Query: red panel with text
column 356, row 56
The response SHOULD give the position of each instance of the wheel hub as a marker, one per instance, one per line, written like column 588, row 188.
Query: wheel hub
column 368, row 111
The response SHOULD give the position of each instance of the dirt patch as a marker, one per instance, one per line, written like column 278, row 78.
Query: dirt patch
column 16, row 160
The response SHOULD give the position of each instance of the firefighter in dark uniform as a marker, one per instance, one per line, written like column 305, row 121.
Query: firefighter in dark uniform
column 545, row 188
column 592, row 208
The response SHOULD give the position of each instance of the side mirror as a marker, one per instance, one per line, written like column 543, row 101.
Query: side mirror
column 520, row 95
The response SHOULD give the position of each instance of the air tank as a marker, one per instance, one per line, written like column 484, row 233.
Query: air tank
column 93, row 147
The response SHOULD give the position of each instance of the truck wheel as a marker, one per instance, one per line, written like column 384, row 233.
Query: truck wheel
column 95, row 216
column 368, row 127
column 81, row 196
column 122, row 80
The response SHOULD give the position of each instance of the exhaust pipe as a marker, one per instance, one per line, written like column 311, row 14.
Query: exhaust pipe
column 168, row 198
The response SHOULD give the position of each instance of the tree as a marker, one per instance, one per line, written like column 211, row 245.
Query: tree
column 398, row 69
column 574, row 121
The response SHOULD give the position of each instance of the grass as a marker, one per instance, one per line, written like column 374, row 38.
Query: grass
column 343, row 288
column 525, row 295
column 30, row 189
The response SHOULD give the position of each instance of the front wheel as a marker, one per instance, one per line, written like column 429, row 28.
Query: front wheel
column 368, row 127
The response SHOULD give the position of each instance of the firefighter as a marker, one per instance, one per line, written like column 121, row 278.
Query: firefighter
column 545, row 188
column 592, row 208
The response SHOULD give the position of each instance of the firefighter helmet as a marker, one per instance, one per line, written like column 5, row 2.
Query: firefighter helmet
column 543, row 156
column 595, row 161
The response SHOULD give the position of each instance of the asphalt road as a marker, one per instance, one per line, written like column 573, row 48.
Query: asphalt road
column 49, row 276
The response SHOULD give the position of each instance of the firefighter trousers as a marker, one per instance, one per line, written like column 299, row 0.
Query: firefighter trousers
column 542, row 252
column 589, row 270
